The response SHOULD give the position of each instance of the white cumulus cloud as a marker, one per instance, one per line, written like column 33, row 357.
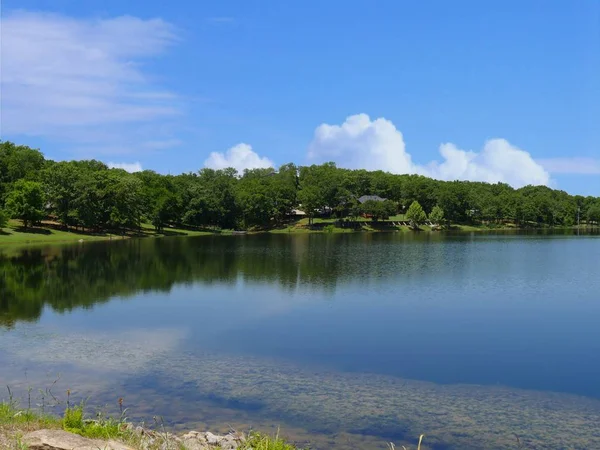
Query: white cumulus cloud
column 82, row 81
column 129, row 167
column 239, row 157
column 498, row 161
column 362, row 143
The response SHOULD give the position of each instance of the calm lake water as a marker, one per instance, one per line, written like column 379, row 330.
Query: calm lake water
column 342, row 341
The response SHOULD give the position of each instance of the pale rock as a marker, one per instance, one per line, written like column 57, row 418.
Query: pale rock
column 63, row 440
column 191, row 435
column 228, row 443
column 194, row 440
column 212, row 439
column 194, row 444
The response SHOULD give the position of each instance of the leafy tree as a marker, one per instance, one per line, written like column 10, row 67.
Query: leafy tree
column 322, row 189
column 415, row 214
column 90, row 200
column 26, row 202
column 437, row 215
column 209, row 198
column 220, row 186
column 378, row 210
column 420, row 189
column 285, row 191
column 310, row 201
column 453, row 199
column 18, row 162
column 593, row 213
column 165, row 210
column 3, row 218
column 123, row 200
column 60, row 180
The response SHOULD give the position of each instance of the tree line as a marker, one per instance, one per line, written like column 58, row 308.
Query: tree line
column 88, row 194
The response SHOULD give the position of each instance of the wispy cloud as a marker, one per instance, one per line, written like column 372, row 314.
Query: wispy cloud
column 575, row 165
column 82, row 81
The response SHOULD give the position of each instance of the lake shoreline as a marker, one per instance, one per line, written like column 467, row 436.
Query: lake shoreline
column 51, row 235
column 37, row 430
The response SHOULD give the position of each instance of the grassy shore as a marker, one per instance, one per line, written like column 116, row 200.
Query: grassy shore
column 51, row 233
column 16, row 422
column 391, row 225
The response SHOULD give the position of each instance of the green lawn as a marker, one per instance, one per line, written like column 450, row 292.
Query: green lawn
column 15, row 234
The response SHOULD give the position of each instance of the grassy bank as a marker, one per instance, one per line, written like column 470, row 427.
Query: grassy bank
column 49, row 233
column 393, row 224
column 16, row 422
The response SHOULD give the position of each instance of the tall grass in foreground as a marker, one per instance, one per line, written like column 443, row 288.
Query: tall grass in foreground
column 259, row 441
column 16, row 422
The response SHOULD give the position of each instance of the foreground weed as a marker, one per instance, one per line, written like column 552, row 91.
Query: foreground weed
column 259, row 441
column 20, row 445
column 74, row 421
column 11, row 416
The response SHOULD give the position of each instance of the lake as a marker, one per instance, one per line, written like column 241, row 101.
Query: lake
column 342, row 341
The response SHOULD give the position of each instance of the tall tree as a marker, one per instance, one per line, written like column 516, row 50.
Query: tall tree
column 437, row 215
column 18, row 162
column 593, row 213
column 3, row 218
column 124, row 195
column 415, row 214
column 60, row 180
column 378, row 210
column 256, row 197
column 26, row 202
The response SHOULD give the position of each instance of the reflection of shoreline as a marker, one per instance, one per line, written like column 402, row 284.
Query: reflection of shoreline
column 212, row 389
column 68, row 278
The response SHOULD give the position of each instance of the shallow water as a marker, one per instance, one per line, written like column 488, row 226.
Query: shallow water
column 343, row 341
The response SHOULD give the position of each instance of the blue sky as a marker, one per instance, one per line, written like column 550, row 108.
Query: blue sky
column 493, row 91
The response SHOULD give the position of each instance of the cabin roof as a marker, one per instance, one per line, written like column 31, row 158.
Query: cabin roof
column 375, row 198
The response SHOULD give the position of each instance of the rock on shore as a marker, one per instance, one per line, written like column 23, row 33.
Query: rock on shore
column 193, row 440
column 63, row 440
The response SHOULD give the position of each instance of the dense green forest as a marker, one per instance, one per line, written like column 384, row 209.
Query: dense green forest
column 90, row 196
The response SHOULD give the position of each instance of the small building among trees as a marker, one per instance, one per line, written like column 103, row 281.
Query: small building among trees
column 366, row 198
